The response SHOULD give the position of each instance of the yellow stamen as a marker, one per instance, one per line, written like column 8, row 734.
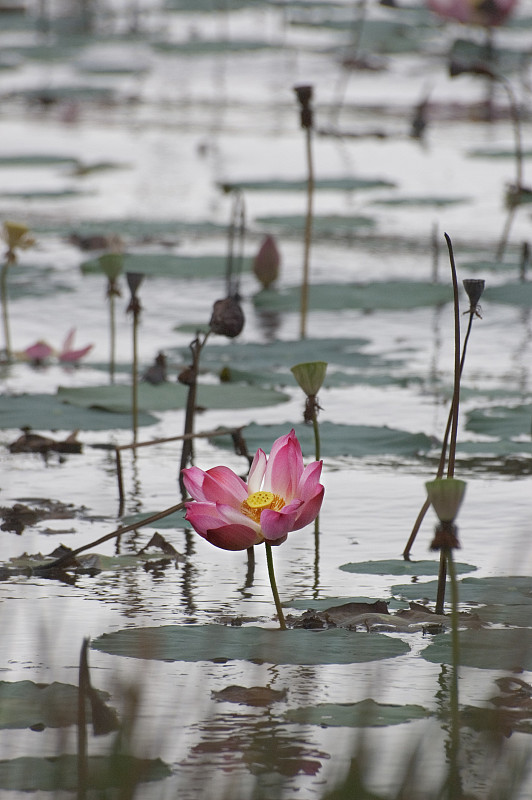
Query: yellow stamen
column 258, row 501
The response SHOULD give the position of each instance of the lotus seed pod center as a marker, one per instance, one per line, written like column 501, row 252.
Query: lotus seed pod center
column 260, row 500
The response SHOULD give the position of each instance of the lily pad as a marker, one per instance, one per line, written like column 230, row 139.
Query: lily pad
column 515, row 294
column 282, row 354
column 340, row 440
column 36, row 160
column 60, row 773
column 383, row 295
column 501, row 421
column 365, row 714
column 46, row 412
column 175, row 520
column 421, row 201
column 167, row 396
column 497, row 153
column 24, row 704
column 168, row 265
column 499, row 648
column 512, row 590
column 470, row 55
column 401, row 567
column 196, row 47
column 216, row 643
column 329, row 184
column 329, row 225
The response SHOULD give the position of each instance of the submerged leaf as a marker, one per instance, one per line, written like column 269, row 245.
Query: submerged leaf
column 364, row 714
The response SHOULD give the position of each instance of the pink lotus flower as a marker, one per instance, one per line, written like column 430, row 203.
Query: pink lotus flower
column 280, row 496
column 70, row 356
column 469, row 12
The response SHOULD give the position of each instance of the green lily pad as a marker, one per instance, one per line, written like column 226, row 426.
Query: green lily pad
column 474, row 56
column 42, row 194
column 378, row 36
column 217, row 643
column 167, row 396
column 24, row 704
column 519, row 616
column 501, row 421
column 36, row 160
column 340, row 440
column 46, row 412
column 382, row 295
column 512, row 590
column 483, row 265
column 196, row 47
column 29, row 280
column 326, row 603
column 401, row 567
column 364, row 714
column 421, row 202
column 329, row 225
column 209, row 5
column 168, row 265
column 499, row 648
column 60, row 773
column 497, row 153
column 324, row 184
column 282, row 354
column 515, row 294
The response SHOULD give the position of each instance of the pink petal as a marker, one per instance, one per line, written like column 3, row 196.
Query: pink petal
column 217, row 485
column 256, row 471
column 71, row 356
column 222, row 485
column 285, row 467
column 232, row 537
column 203, row 516
column 310, row 509
column 69, row 341
column 309, row 480
column 193, row 478
column 277, row 524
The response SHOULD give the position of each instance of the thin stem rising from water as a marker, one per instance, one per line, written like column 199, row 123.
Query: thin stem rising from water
column 273, row 584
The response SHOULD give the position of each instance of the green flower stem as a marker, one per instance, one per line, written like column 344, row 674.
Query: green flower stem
column 135, row 377
column 3, row 290
column 112, row 336
column 308, row 235
column 273, row 584
column 455, row 789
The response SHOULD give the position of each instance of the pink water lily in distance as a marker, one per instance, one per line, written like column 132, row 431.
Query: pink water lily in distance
column 280, row 496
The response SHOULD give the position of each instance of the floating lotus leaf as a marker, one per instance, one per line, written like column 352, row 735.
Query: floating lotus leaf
column 396, row 566
column 328, row 184
column 472, row 55
column 36, row 160
column 515, row 294
column 497, row 153
column 421, row 202
column 137, row 229
column 365, row 714
column 175, row 520
column 167, row 396
column 378, row 36
column 60, row 773
column 42, row 194
column 488, row 648
column 502, row 421
column 196, row 47
column 208, row 5
column 168, row 265
column 340, row 440
column 46, row 412
column 24, row 704
column 332, row 602
column 218, row 643
column 329, row 226
column 29, row 280
column 382, row 295
column 512, row 590
column 482, row 265
column 278, row 354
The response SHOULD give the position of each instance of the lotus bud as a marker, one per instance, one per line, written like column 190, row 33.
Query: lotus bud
column 474, row 288
column 227, row 317
column 446, row 495
column 16, row 235
column 111, row 265
column 304, row 96
column 267, row 261
column 310, row 376
column 134, row 279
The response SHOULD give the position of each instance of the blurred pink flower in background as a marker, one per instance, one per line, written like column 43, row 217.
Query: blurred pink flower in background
column 488, row 13
column 70, row 356
column 280, row 496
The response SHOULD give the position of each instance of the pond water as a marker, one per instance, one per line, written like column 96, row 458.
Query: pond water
column 129, row 133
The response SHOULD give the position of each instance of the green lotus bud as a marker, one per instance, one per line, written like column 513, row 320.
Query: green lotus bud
column 111, row 265
column 310, row 376
column 16, row 235
column 446, row 495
